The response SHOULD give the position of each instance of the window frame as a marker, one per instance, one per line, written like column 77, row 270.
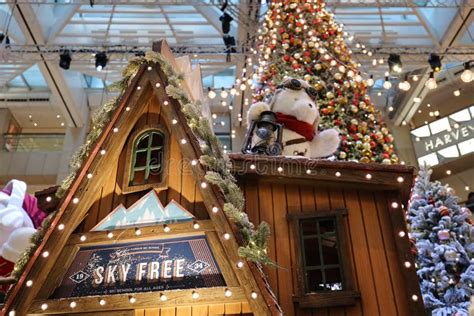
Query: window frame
column 345, row 297
column 127, row 187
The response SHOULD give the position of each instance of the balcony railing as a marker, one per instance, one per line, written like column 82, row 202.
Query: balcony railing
column 33, row 142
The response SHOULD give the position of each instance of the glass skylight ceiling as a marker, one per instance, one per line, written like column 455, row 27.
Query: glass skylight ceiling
column 31, row 78
column 118, row 24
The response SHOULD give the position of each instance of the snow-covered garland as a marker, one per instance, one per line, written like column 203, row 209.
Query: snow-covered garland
column 255, row 238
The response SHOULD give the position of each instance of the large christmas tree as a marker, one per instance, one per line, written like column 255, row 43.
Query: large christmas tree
column 443, row 234
column 299, row 38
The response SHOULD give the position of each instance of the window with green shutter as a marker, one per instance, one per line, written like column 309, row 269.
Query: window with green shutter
column 147, row 158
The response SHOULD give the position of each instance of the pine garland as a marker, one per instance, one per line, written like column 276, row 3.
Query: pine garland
column 214, row 158
column 36, row 240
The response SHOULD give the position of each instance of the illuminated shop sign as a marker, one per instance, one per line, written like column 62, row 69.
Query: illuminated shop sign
column 445, row 139
column 156, row 265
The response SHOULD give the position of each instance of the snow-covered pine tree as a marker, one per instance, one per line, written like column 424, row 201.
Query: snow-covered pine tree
column 443, row 235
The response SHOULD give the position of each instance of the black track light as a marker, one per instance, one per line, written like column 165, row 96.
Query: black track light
column 225, row 20
column 395, row 63
column 435, row 62
column 65, row 60
column 229, row 40
column 100, row 61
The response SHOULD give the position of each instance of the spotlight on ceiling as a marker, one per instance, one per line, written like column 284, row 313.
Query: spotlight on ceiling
column 65, row 60
column 395, row 63
column 100, row 61
column 225, row 20
column 435, row 62
column 467, row 74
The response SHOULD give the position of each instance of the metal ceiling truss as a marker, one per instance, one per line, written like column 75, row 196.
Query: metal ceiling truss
column 338, row 3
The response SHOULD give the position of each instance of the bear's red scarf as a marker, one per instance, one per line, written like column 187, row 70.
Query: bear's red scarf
column 304, row 129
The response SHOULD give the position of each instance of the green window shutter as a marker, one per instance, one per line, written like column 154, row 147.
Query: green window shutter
column 147, row 158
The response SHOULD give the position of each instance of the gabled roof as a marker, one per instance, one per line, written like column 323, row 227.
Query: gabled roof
column 148, row 82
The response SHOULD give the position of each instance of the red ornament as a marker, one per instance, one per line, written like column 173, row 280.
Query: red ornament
column 372, row 144
column 443, row 211
column 286, row 58
column 325, row 111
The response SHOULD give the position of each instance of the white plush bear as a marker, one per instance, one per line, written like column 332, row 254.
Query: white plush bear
column 16, row 226
column 295, row 107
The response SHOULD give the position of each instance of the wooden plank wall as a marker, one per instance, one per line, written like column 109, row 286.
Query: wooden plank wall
column 374, row 259
column 233, row 309
column 181, row 186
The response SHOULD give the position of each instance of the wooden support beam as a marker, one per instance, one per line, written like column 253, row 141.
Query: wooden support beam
column 142, row 300
column 146, row 233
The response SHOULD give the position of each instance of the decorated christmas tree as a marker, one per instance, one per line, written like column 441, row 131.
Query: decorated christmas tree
column 443, row 234
column 300, row 39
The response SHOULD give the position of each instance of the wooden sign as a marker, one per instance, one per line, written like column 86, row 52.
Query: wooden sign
column 157, row 265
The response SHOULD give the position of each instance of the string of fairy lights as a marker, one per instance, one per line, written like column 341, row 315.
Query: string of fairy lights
column 227, row 292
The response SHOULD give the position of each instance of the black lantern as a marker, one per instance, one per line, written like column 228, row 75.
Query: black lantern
column 264, row 136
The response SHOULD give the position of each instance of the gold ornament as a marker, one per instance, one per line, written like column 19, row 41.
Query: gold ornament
column 364, row 159
column 342, row 155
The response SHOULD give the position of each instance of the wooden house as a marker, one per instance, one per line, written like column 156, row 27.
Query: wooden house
column 140, row 232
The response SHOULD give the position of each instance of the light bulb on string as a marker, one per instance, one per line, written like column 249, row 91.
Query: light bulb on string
column 224, row 93
column 404, row 85
column 210, row 93
column 431, row 82
column 370, row 81
column 358, row 77
column 387, row 84
column 467, row 74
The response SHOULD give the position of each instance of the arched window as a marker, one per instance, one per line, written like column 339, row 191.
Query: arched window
column 147, row 158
